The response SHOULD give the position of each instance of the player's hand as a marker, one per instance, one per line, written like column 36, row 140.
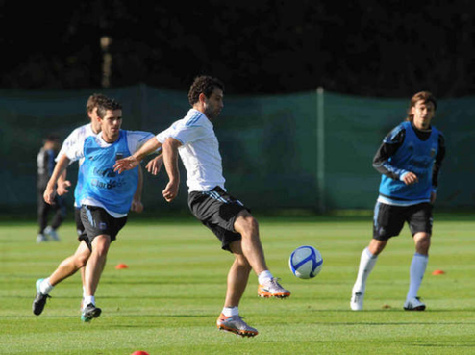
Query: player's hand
column 136, row 206
column 155, row 165
column 63, row 187
column 49, row 196
column 433, row 197
column 409, row 178
column 125, row 164
column 171, row 191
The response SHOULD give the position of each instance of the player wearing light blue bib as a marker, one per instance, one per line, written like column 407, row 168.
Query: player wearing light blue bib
column 413, row 155
column 409, row 160
column 112, row 191
column 106, row 199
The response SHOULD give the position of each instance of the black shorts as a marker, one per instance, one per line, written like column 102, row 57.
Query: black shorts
column 98, row 222
column 79, row 225
column 389, row 220
column 218, row 211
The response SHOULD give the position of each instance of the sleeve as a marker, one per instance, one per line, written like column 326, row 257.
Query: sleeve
column 136, row 139
column 388, row 148
column 73, row 151
column 69, row 142
column 185, row 131
column 438, row 161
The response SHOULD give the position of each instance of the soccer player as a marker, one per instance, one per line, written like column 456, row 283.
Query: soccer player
column 45, row 166
column 93, row 128
column 194, row 140
column 106, row 199
column 409, row 160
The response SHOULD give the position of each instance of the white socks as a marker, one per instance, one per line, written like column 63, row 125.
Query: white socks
column 45, row 286
column 367, row 263
column 418, row 268
column 264, row 277
column 230, row 312
column 88, row 300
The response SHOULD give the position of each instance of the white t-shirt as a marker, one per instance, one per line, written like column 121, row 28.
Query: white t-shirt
column 78, row 136
column 199, row 150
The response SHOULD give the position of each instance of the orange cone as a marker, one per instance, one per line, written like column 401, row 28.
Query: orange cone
column 438, row 272
column 121, row 266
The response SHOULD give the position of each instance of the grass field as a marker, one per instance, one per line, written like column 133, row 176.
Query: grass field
column 167, row 300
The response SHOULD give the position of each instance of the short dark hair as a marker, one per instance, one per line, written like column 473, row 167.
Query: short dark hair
column 93, row 101
column 107, row 104
column 203, row 84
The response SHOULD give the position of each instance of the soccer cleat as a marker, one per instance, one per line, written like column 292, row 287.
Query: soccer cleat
column 356, row 302
column 41, row 238
column 40, row 300
column 235, row 325
column 414, row 304
column 50, row 232
column 90, row 312
column 272, row 289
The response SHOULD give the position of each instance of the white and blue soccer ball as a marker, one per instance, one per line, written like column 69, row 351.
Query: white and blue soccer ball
column 305, row 262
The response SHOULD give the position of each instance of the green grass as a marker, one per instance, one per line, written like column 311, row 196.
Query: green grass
column 168, row 299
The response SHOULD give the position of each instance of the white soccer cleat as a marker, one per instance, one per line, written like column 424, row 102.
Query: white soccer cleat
column 356, row 302
column 414, row 304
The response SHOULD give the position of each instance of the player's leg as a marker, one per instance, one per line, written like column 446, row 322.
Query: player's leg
column 248, row 227
column 70, row 265
column 42, row 217
column 82, row 237
column 101, row 229
column 420, row 222
column 67, row 268
column 238, row 276
column 387, row 222
column 95, row 265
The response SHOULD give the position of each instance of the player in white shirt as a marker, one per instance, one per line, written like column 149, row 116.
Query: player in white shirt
column 194, row 140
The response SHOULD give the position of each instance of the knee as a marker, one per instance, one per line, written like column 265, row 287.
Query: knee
column 81, row 260
column 422, row 243
column 242, row 263
column 100, row 245
column 247, row 225
column 375, row 247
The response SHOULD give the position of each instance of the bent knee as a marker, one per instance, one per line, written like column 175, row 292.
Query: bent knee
column 247, row 222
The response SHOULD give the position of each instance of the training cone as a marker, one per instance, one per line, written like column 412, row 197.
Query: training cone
column 140, row 352
column 438, row 272
column 122, row 266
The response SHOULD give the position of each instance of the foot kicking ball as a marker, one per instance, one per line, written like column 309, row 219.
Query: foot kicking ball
column 305, row 262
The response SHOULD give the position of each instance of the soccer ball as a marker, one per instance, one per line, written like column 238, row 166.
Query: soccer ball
column 305, row 262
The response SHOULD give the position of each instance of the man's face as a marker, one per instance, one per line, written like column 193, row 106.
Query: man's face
column 110, row 125
column 214, row 104
column 423, row 113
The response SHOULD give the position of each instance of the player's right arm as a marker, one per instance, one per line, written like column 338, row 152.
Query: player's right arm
column 50, row 191
column 388, row 148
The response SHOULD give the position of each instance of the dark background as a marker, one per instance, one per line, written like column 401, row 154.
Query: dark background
column 366, row 47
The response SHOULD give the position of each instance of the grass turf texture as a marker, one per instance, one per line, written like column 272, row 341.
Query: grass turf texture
column 168, row 299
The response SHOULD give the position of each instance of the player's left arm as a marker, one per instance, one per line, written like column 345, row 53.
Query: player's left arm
column 438, row 163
